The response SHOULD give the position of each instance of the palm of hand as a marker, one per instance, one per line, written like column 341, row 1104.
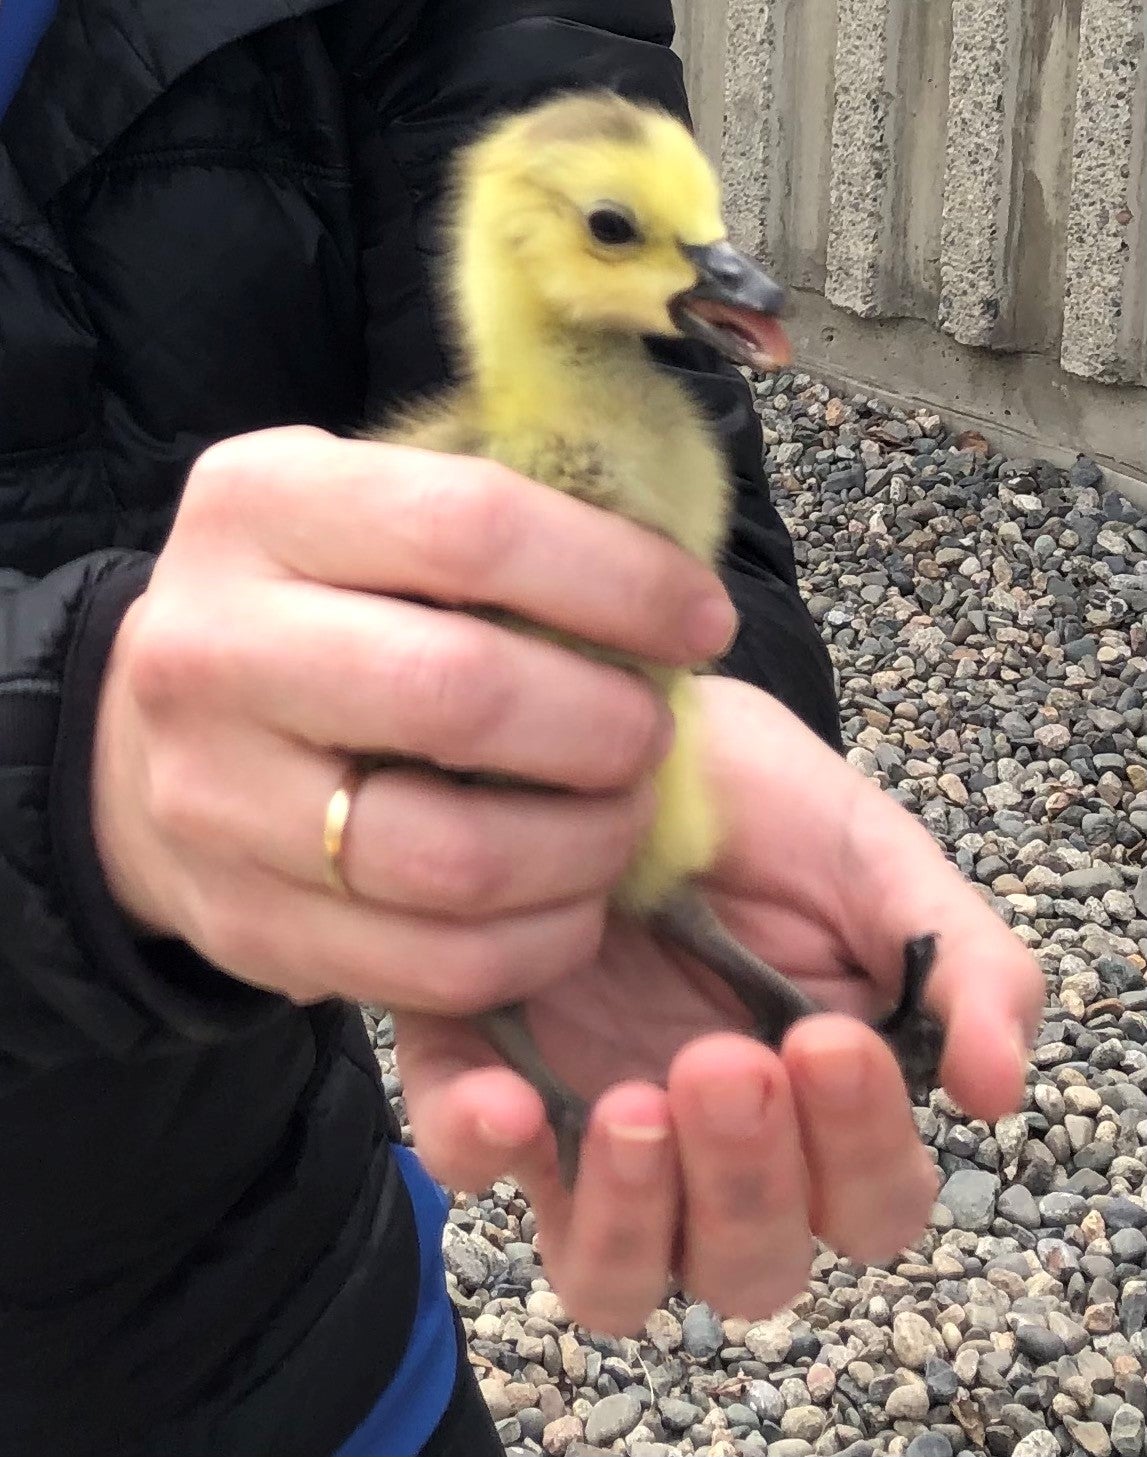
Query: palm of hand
column 629, row 1012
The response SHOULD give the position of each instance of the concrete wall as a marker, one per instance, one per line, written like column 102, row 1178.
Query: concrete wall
column 955, row 191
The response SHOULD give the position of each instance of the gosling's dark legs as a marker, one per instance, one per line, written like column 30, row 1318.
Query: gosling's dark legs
column 687, row 921
column 776, row 1004
column 506, row 1031
column 772, row 1000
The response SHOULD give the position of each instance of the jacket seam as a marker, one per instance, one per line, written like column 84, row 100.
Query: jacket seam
column 16, row 686
column 222, row 156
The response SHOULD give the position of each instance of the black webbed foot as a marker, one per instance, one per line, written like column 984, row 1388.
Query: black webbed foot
column 915, row 1037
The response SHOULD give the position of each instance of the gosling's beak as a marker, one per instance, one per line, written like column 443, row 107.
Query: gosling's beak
column 733, row 306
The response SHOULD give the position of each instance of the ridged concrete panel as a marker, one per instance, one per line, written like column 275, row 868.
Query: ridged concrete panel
column 975, row 167
column 1104, row 324
column 861, row 157
column 975, row 281
column 778, row 96
column 750, row 144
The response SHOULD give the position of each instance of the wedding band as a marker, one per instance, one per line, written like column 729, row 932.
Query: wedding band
column 334, row 828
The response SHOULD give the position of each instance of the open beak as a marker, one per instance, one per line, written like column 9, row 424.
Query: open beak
column 733, row 306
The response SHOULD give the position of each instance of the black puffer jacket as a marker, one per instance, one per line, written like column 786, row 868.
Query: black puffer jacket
column 218, row 216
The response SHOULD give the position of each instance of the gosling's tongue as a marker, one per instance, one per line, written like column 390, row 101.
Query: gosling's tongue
column 733, row 307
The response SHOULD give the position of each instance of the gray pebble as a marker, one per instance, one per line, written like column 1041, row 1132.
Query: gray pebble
column 701, row 1332
column 971, row 1196
column 612, row 1417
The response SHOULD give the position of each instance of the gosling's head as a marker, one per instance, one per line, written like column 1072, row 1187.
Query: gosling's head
column 606, row 214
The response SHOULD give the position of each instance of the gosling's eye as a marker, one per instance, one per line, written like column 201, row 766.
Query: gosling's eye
column 612, row 225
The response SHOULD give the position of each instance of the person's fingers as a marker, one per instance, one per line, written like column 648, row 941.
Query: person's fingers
column 986, row 987
column 986, row 1051
column 415, row 841
column 871, row 1183
column 607, row 1248
column 385, row 518
column 473, row 1119
column 857, row 863
column 374, row 675
column 746, row 1243
column 276, row 934
column 424, row 844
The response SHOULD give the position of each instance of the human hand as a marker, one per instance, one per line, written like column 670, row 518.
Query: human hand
column 722, row 1177
column 278, row 638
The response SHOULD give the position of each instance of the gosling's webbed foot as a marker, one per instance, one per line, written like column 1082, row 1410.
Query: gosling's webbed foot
column 915, row 1036
column 566, row 1112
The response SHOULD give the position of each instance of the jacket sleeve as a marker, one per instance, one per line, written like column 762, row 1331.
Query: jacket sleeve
column 74, row 981
column 468, row 60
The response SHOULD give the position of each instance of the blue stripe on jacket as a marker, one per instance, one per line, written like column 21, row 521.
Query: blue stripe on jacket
column 22, row 25
column 413, row 1403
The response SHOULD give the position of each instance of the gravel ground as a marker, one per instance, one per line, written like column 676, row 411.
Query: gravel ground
column 988, row 622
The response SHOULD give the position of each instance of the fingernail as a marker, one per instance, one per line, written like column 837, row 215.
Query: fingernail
column 1023, row 1050
column 713, row 627
column 735, row 1108
column 637, row 1152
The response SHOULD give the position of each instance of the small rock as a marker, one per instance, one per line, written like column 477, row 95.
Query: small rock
column 1041, row 1346
column 1089, row 1435
column 612, row 1417
column 971, row 1196
column 558, row 1435
column 1085, row 474
column 908, row 1402
column 1037, row 1444
column 1017, row 1205
column 930, row 1444
column 941, row 1380
column 497, row 1402
column 664, row 1331
column 1129, row 1245
column 678, row 1415
column 913, row 1340
column 805, row 1422
column 769, row 1341
column 763, row 1398
column 1127, row 1431
column 701, row 1333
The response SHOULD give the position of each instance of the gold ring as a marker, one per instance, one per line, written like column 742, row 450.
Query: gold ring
column 334, row 827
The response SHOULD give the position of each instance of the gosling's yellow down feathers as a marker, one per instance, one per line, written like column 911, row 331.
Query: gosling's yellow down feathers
column 576, row 230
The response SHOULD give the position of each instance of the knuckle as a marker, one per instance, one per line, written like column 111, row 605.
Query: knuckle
column 233, row 938
column 456, row 686
column 626, row 750
column 458, row 870
column 170, row 658
column 175, row 808
column 468, row 521
column 233, row 479
column 218, row 477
